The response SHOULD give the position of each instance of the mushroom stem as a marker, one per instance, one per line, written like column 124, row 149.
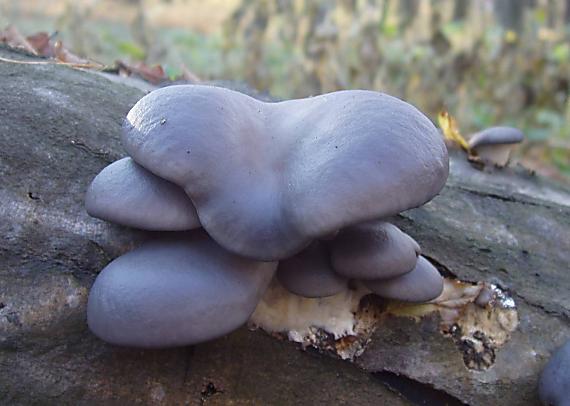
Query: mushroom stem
column 495, row 154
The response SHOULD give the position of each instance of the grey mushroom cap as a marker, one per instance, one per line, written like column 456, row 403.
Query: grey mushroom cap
column 373, row 250
column 175, row 292
column 125, row 193
column 423, row 284
column 309, row 273
column 269, row 178
column 495, row 136
column 554, row 383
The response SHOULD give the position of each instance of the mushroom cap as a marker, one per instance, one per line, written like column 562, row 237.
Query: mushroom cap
column 268, row 178
column 125, row 193
column 309, row 273
column 495, row 136
column 175, row 292
column 554, row 383
column 423, row 284
column 373, row 250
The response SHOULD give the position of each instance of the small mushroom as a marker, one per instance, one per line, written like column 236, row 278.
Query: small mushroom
column 494, row 145
column 373, row 250
column 309, row 273
column 125, row 193
column 423, row 284
column 175, row 292
column 269, row 178
column 554, row 383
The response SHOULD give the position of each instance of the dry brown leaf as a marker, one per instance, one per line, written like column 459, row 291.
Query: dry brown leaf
column 62, row 54
column 41, row 42
column 153, row 74
column 12, row 37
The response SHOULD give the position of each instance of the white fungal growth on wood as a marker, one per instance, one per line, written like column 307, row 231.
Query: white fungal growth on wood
column 281, row 311
column 343, row 323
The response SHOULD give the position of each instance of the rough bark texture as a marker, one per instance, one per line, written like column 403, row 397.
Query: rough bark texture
column 59, row 127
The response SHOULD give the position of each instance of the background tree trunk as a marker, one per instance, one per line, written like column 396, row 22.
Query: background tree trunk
column 407, row 11
column 59, row 127
column 461, row 9
column 510, row 13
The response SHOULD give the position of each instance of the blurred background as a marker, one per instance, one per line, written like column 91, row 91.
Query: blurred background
column 487, row 62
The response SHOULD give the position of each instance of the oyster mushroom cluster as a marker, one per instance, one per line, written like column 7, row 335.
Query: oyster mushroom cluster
column 301, row 189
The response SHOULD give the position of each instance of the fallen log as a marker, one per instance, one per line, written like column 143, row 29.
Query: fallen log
column 504, row 232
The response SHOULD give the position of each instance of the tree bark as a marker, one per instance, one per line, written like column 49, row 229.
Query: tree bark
column 59, row 127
